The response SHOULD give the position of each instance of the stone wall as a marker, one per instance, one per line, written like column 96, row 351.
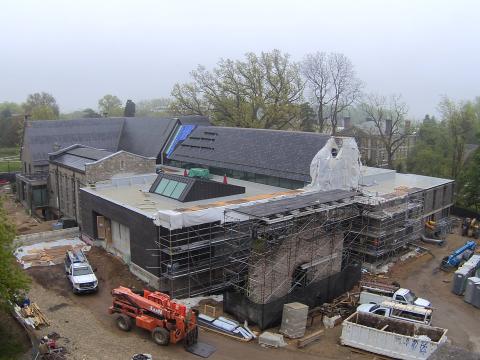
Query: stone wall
column 272, row 274
column 119, row 163
column 63, row 190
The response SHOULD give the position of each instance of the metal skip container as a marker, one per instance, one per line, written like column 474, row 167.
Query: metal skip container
column 394, row 338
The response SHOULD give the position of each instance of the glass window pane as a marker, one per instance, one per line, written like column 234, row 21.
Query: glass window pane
column 161, row 186
column 169, row 188
column 178, row 190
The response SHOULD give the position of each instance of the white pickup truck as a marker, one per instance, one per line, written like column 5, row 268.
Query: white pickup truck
column 374, row 293
column 80, row 273
column 392, row 309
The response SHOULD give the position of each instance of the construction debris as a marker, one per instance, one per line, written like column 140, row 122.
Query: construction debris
column 301, row 343
column 47, row 253
column 32, row 316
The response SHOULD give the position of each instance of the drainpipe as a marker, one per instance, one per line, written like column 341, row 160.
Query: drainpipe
column 58, row 191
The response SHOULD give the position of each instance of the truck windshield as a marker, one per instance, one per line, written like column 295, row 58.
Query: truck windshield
column 410, row 297
column 82, row 271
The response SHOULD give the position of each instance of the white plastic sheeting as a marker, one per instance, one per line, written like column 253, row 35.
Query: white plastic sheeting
column 341, row 171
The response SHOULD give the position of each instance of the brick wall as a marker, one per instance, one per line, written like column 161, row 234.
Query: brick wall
column 271, row 275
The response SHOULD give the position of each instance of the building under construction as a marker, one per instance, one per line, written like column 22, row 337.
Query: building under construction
column 260, row 245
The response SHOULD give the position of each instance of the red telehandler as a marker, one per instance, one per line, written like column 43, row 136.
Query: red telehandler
column 168, row 321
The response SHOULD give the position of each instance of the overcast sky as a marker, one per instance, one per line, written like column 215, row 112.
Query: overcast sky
column 81, row 50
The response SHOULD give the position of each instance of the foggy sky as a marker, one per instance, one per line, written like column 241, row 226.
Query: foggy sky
column 80, row 50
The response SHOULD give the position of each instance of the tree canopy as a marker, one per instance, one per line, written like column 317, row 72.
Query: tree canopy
column 110, row 105
column 263, row 90
column 41, row 106
column 12, row 278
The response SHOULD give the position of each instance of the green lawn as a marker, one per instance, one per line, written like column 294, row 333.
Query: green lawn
column 10, row 166
column 15, row 151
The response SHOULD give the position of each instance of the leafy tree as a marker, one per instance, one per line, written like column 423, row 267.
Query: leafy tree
column 431, row 153
column 307, row 117
column 11, row 118
column 262, row 91
column 333, row 85
column 42, row 106
column 469, row 184
column 129, row 109
column 460, row 119
column 110, row 105
column 12, row 278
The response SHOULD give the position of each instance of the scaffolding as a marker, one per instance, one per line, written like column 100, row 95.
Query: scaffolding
column 266, row 251
column 386, row 225
column 271, row 257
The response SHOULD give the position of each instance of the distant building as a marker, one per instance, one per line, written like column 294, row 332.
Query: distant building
column 371, row 146
column 148, row 137
column 79, row 166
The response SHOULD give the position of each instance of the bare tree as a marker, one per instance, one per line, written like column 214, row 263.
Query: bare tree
column 317, row 75
column 334, row 85
column 388, row 116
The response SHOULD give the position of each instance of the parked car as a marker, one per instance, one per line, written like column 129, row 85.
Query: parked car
column 392, row 309
column 80, row 273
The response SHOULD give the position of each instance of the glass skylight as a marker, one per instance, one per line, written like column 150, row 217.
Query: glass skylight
column 170, row 188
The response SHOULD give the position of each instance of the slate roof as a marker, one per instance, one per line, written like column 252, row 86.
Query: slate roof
column 194, row 120
column 45, row 136
column 146, row 136
column 77, row 156
column 142, row 136
column 283, row 154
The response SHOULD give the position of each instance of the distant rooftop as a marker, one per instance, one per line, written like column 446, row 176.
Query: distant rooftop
column 282, row 154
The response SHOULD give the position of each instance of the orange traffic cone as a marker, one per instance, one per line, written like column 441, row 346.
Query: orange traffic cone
column 225, row 179
column 185, row 173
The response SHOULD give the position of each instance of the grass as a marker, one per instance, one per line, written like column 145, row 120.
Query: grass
column 10, row 166
column 9, row 151
column 9, row 159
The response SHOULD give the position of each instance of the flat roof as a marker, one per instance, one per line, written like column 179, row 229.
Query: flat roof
column 133, row 192
column 385, row 181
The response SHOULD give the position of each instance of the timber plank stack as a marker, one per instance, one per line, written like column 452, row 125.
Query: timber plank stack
column 35, row 316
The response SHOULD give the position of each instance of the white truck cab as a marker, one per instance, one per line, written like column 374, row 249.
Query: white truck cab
column 406, row 296
column 392, row 309
column 80, row 273
column 378, row 293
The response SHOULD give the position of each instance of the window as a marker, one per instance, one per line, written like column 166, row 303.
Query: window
column 400, row 298
column 380, row 312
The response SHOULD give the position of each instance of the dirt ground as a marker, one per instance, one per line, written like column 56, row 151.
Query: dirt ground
column 423, row 276
column 24, row 223
column 90, row 332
